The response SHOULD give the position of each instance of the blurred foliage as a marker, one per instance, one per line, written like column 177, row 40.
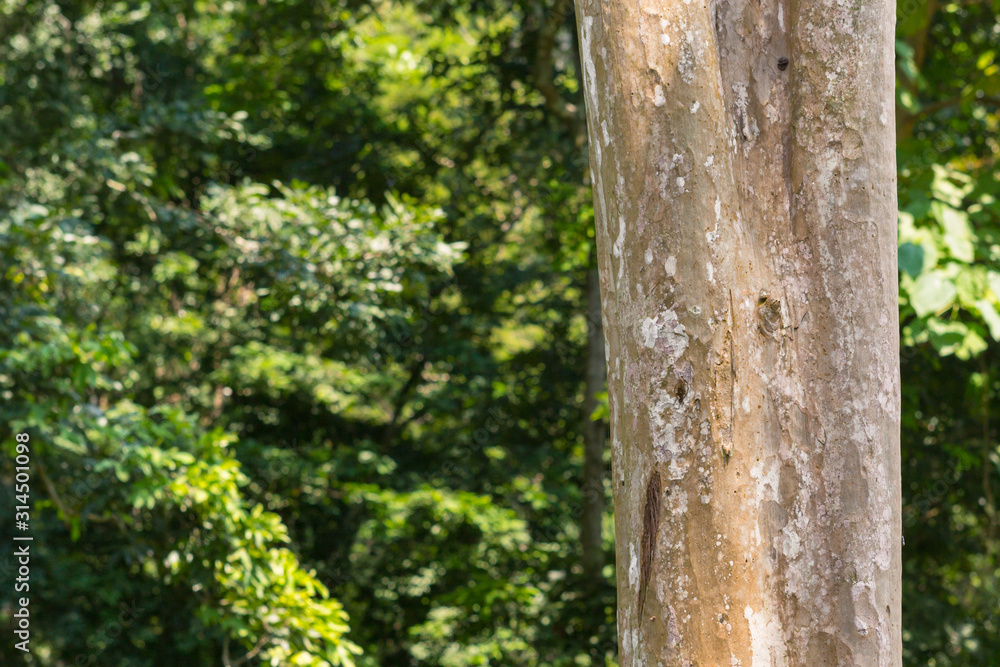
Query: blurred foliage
column 292, row 306
column 948, row 96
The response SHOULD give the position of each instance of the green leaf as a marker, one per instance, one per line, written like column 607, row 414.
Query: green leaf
column 932, row 293
column 602, row 410
column 971, row 284
column 944, row 188
column 993, row 280
column 990, row 316
column 958, row 236
column 911, row 259
column 955, row 338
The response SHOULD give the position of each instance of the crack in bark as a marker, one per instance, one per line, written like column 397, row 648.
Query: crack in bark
column 650, row 526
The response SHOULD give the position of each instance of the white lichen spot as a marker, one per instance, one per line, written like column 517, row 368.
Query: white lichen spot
column 680, row 502
column 649, row 256
column 619, row 247
column 771, row 113
column 587, row 55
column 860, row 176
column 604, row 131
column 708, row 162
column 670, row 266
column 695, row 106
column 767, row 646
column 590, row 87
column 633, row 568
column 747, row 124
column 711, row 272
column 680, row 182
column 686, row 61
column 658, row 97
column 792, row 542
column 666, row 414
column 649, row 332
column 741, row 96
column 626, row 646
column 664, row 39
column 718, row 209
column 673, row 636
column 767, row 482
column 866, row 613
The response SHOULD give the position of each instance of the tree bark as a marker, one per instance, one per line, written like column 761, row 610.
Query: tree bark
column 744, row 182
column 594, row 437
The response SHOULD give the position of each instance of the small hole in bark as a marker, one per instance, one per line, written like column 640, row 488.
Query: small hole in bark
column 782, row 64
column 769, row 314
column 681, row 391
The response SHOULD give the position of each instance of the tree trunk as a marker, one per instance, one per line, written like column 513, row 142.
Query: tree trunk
column 744, row 182
column 594, row 436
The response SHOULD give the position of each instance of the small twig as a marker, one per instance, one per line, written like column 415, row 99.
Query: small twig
column 249, row 656
column 51, row 489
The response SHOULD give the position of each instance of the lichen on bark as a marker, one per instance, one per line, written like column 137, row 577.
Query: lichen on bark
column 744, row 175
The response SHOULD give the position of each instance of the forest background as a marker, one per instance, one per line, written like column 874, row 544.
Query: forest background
column 294, row 309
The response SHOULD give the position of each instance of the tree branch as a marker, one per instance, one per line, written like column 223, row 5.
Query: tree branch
column 566, row 112
column 909, row 120
column 226, row 662
column 416, row 377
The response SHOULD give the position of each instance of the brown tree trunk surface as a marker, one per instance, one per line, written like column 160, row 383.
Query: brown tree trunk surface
column 745, row 194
